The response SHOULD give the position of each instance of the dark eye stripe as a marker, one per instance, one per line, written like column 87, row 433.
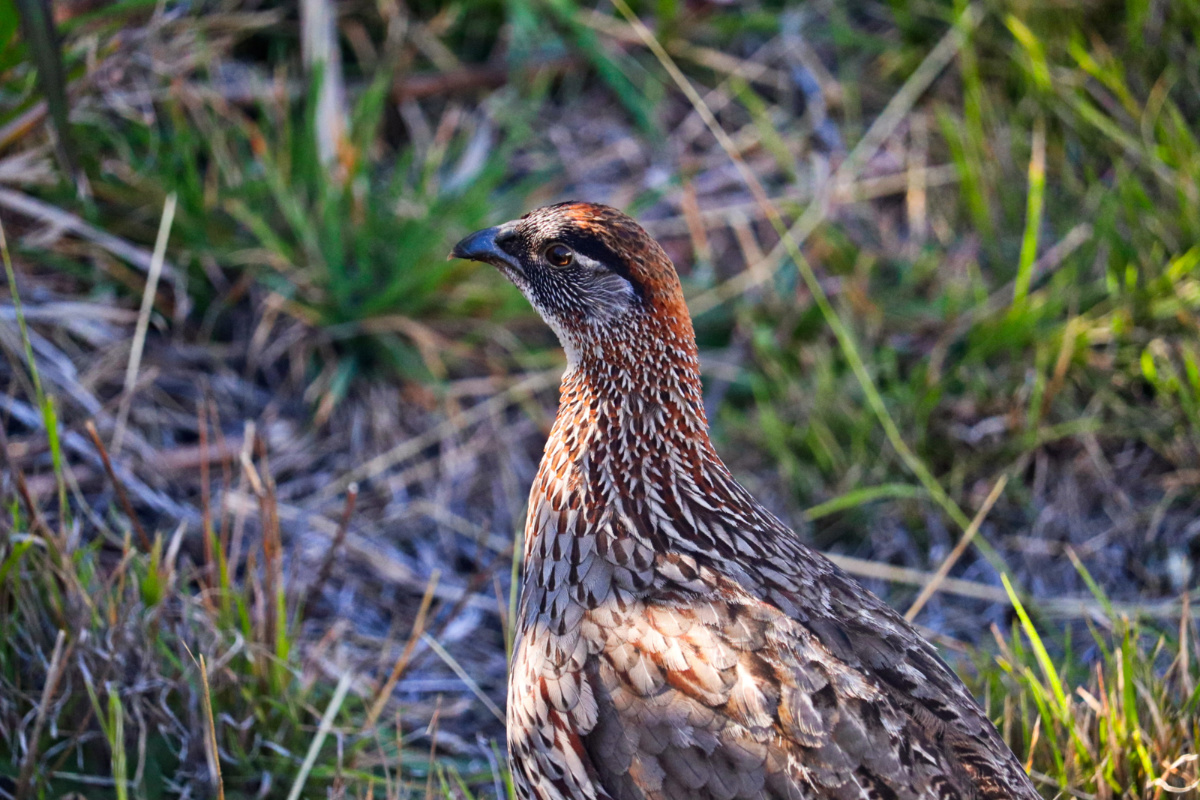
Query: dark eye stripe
column 597, row 250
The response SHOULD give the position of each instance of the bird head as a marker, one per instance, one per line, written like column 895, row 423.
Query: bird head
column 595, row 276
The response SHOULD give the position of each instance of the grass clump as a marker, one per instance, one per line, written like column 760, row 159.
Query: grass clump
column 152, row 673
column 353, row 247
column 1117, row 720
column 102, row 690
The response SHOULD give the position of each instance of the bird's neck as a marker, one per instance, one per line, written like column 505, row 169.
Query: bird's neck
column 635, row 392
column 630, row 426
column 649, row 408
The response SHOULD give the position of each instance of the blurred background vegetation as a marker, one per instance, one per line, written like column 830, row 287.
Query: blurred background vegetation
column 267, row 450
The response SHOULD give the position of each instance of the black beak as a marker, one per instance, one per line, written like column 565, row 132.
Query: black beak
column 481, row 246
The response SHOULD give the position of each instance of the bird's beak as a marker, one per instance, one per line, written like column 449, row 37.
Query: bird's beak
column 484, row 246
column 479, row 246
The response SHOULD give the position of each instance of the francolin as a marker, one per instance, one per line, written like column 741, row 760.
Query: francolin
column 675, row 639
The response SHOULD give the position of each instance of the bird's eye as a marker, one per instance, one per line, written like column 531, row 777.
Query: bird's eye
column 559, row 255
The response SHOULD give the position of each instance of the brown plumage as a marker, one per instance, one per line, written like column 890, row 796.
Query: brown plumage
column 675, row 639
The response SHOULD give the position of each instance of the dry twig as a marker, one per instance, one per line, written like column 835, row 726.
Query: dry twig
column 118, row 487
column 944, row 568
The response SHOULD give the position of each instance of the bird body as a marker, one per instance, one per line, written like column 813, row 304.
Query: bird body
column 675, row 639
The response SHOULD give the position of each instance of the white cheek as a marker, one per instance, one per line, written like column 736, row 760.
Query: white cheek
column 608, row 294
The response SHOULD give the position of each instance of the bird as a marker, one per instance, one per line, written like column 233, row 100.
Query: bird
column 676, row 640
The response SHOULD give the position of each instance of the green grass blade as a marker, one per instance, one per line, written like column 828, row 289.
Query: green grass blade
column 116, row 740
column 858, row 497
column 1033, row 214
column 1049, row 671
column 37, row 24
